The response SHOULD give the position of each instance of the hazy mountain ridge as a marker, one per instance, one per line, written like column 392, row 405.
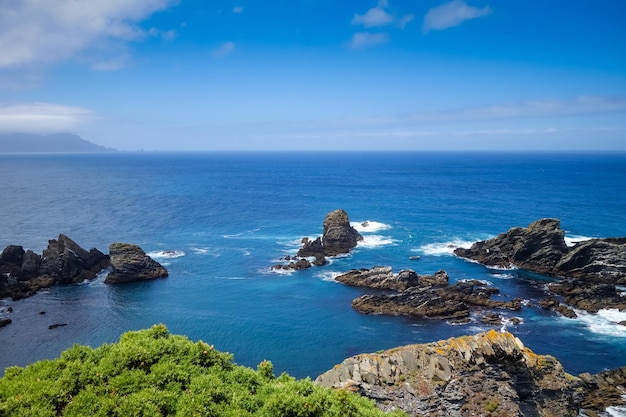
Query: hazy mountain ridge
column 53, row 143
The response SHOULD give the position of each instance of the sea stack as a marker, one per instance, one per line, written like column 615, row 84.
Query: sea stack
column 130, row 263
column 338, row 237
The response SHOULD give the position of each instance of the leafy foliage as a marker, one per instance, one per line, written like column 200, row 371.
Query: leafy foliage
column 154, row 373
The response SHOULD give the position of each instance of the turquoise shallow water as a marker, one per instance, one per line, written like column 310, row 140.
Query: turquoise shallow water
column 229, row 217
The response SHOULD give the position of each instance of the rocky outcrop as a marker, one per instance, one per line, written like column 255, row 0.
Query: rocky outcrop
column 338, row 237
column 62, row 262
column 604, row 390
column 541, row 248
column 453, row 302
column 490, row 374
column 68, row 263
column 382, row 277
column 590, row 269
column 295, row 263
column 588, row 296
column 130, row 263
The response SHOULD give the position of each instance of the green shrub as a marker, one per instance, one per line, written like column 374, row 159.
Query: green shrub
column 154, row 373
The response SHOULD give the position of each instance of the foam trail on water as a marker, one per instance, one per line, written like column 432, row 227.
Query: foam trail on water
column 327, row 275
column 376, row 241
column 605, row 322
column 369, row 226
column 444, row 248
column 166, row 254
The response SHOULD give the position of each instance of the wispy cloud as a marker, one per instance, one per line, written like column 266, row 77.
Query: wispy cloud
column 364, row 39
column 237, row 9
column 451, row 14
column 42, row 117
column 405, row 20
column 223, row 50
column 374, row 17
column 36, row 32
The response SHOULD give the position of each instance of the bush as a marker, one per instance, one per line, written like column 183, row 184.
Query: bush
column 154, row 373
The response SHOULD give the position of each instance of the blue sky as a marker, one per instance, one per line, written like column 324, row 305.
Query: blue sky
column 317, row 74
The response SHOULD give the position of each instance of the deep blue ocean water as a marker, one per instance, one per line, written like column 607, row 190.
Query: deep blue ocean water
column 218, row 222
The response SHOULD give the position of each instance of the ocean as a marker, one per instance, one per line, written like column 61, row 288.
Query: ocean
column 219, row 221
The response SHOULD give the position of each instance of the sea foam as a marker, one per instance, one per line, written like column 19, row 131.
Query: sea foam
column 369, row 226
column 444, row 248
column 376, row 241
column 605, row 322
column 574, row 239
column 166, row 254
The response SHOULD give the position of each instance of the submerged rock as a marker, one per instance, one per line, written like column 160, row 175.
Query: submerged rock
column 490, row 374
column 130, row 263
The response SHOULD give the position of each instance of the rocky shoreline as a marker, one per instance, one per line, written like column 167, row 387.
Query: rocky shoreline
column 489, row 374
column 589, row 272
column 23, row 272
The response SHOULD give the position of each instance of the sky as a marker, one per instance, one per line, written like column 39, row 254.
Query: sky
column 186, row 75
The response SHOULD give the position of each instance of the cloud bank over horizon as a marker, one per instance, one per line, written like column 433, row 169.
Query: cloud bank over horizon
column 162, row 74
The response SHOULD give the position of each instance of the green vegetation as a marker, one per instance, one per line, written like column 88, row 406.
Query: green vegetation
column 154, row 373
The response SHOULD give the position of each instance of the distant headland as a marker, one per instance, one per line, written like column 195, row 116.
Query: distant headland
column 53, row 143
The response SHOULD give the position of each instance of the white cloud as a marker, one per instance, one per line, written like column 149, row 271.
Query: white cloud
column 364, row 39
column 224, row 49
column 405, row 20
column 374, row 17
column 238, row 9
column 42, row 117
column 42, row 31
column 451, row 14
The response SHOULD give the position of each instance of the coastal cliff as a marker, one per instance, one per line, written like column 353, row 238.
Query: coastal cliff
column 489, row 374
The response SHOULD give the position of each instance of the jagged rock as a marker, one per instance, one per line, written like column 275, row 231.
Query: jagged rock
column 338, row 237
column 592, row 267
column 490, row 374
column 588, row 296
column 565, row 311
column 130, row 263
column 599, row 260
column 491, row 319
column 551, row 303
column 297, row 264
column 5, row 322
column 23, row 273
column 382, row 277
column 68, row 263
column 538, row 248
column 452, row 303
column 54, row 326
column 605, row 389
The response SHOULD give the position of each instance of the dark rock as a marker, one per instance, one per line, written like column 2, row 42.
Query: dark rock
column 566, row 312
column 598, row 260
column 549, row 303
column 130, row 263
column 382, row 277
column 5, row 322
column 9, row 309
column 603, row 390
column 31, row 262
column 54, row 326
column 490, row 374
column 319, row 260
column 68, row 263
column 589, row 296
column 449, row 303
column 538, row 248
column 492, row 319
column 515, row 320
column 12, row 254
column 338, row 237
column 622, row 323
column 42, row 313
